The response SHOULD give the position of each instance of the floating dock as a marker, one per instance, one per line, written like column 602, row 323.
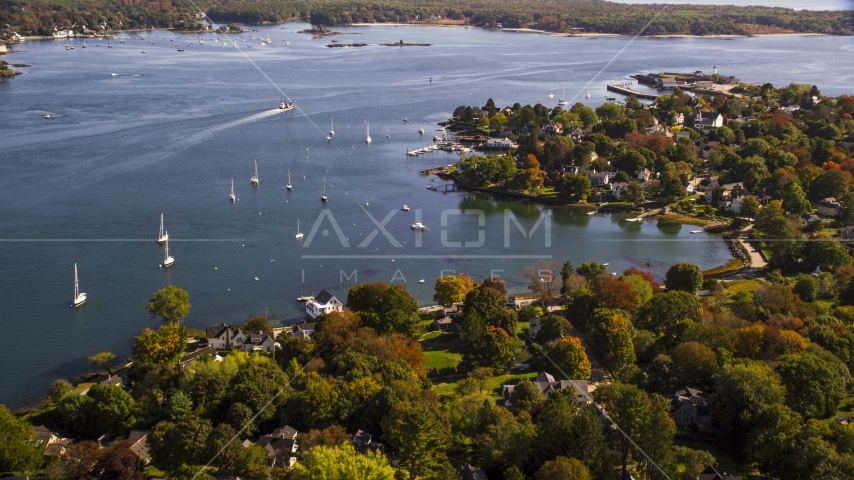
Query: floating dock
column 629, row 92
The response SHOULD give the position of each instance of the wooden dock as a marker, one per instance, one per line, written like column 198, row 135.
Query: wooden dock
column 629, row 92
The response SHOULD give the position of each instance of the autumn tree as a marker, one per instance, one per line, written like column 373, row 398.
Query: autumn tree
column 562, row 468
column 544, row 281
column 172, row 304
column 162, row 346
column 451, row 289
column 695, row 364
column 616, row 294
column 621, row 350
column 570, row 356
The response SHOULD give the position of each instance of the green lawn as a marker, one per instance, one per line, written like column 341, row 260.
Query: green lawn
column 741, row 286
column 79, row 389
column 439, row 359
column 725, row 461
column 447, row 389
column 152, row 471
column 842, row 410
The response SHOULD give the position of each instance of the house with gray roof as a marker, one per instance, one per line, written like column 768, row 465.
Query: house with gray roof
column 547, row 385
column 691, row 406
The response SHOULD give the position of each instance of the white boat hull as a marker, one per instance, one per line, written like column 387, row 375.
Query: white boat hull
column 168, row 262
column 80, row 300
column 163, row 239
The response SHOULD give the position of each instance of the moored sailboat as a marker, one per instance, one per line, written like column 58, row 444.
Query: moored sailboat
column 79, row 297
column 164, row 236
column 254, row 178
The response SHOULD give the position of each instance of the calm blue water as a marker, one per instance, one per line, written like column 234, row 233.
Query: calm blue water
column 171, row 129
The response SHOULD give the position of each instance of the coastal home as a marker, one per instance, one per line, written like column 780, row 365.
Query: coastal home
column 550, row 130
column 258, row 342
column 677, row 119
column 303, row 330
column 500, row 144
column 688, row 186
column 547, row 385
column 735, row 204
column 323, row 302
column 224, row 337
column 363, row 443
column 281, row 446
column 644, row 175
column 53, row 444
column 690, row 406
column 443, row 323
column 707, row 121
column 207, row 350
column 829, row 207
column 617, row 188
column 576, row 134
column 599, row 179
column 534, row 327
column 139, row 445
column 847, row 234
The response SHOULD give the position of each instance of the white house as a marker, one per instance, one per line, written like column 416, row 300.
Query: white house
column 707, row 121
column 644, row 175
column 599, row 179
column 500, row 143
column 323, row 302
column 534, row 326
column 304, row 330
column 258, row 342
column 225, row 337
column 617, row 188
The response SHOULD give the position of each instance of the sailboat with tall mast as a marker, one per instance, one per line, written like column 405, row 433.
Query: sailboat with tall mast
column 299, row 234
column 323, row 197
column 551, row 95
column 254, row 178
column 332, row 127
column 168, row 260
column 232, row 197
column 289, row 180
column 368, row 140
column 163, row 234
column 79, row 297
column 562, row 101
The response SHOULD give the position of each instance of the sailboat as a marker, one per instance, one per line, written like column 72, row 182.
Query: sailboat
column 323, row 197
column 79, row 297
column 562, row 101
column 332, row 127
column 254, row 178
column 289, row 180
column 368, row 140
column 588, row 90
column 163, row 234
column 299, row 234
column 167, row 260
column 143, row 49
column 551, row 95
column 232, row 191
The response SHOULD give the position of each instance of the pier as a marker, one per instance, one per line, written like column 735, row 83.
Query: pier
column 628, row 91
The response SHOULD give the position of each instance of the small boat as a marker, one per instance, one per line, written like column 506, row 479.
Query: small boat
column 254, row 178
column 289, row 180
column 551, row 95
column 431, row 187
column 421, row 281
column 48, row 116
column 114, row 74
column 143, row 49
column 168, row 260
column 323, row 197
column 588, row 91
column 418, row 226
column 231, row 196
column 696, row 231
column 368, row 139
column 79, row 297
column 610, row 98
column 331, row 127
column 592, row 213
column 84, row 43
column 405, row 120
column 605, row 264
column 287, row 43
column 299, row 234
column 562, row 101
column 421, row 131
column 163, row 236
column 180, row 49
column 328, row 139
column 405, row 208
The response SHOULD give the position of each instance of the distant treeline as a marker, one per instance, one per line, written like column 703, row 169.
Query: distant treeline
column 41, row 16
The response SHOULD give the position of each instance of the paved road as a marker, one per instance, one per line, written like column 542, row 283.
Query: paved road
column 598, row 373
column 756, row 260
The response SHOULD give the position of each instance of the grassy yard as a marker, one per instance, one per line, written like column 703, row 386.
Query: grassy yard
column 83, row 387
column 842, row 410
column 730, row 266
column 725, row 461
column 447, row 389
column 442, row 358
column 741, row 286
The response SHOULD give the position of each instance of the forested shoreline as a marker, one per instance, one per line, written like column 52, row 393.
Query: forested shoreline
column 43, row 17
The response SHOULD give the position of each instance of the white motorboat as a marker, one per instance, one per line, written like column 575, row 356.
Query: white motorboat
column 299, row 234
column 562, row 101
column 254, row 178
column 405, row 208
column 323, row 197
column 79, row 297
column 328, row 139
column 48, row 116
column 696, row 231
column 418, row 226
column 231, row 196
column 114, row 74
column 368, row 139
column 163, row 236
column 421, row 131
column 168, row 260
column 289, row 180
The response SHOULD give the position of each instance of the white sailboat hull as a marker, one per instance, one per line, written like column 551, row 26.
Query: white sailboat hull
column 168, row 262
column 80, row 300
column 163, row 239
